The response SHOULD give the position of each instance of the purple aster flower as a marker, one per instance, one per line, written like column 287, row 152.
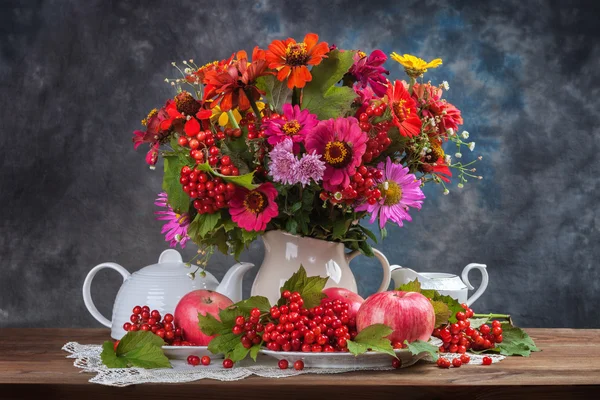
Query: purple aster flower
column 283, row 163
column 399, row 190
column 310, row 167
column 369, row 71
column 175, row 229
column 294, row 124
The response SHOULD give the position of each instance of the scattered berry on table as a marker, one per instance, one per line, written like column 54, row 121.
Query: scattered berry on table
column 299, row 365
column 227, row 363
column 283, row 364
column 205, row 360
column 193, row 360
column 486, row 360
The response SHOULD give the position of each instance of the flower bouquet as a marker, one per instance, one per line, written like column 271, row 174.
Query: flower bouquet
column 301, row 137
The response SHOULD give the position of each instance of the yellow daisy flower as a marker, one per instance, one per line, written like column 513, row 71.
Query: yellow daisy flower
column 223, row 118
column 415, row 66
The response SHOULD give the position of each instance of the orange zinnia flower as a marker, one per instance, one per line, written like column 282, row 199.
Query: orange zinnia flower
column 290, row 58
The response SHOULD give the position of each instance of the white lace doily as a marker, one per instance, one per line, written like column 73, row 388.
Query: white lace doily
column 87, row 357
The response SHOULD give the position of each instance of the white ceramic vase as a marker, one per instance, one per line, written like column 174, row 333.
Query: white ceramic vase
column 285, row 253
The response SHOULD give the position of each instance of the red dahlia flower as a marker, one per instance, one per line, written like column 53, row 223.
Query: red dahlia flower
column 404, row 110
column 290, row 58
column 253, row 209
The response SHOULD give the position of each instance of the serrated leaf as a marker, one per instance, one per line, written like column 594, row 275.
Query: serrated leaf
column 148, row 356
column 177, row 198
column 310, row 288
column 418, row 346
column 276, row 92
column 373, row 337
column 109, row 357
column 223, row 344
column 442, row 312
column 249, row 236
column 209, row 325
column 131, row 340
column 228, row 315
column 412, row 286
column 260, row 302
column 515, row 342
column 238, row 353
column 241, row 180
column 477, row 322
column 321, row 96
column 203, row 224
column 254, row 351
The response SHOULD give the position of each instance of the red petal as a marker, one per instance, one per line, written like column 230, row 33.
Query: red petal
column 192, row 127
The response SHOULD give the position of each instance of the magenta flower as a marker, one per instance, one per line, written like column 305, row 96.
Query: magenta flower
column 400, row 190
column 175, row 229
column 294, row 124
column 342, row 144
column 369, row 71
column 253, row 209
column 283, row 164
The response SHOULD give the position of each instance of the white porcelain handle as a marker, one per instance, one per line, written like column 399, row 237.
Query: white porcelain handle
column 484, row 281
column 387, row 274
column 87, row 284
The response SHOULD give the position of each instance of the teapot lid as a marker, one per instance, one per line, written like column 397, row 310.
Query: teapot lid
column 169, row 263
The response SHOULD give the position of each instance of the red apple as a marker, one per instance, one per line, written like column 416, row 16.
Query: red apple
column 353, row 299
column 409, row 314
column 198, row 301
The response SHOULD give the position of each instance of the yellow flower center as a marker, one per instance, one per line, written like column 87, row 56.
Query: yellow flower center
column 182, row 219
column 338, row 154
column 290, row 128
column 151, row 114
column 402, row 112
column 255, row 202
column 362, row 54
column 436, row 151
column 392, row 195
column 296, row 54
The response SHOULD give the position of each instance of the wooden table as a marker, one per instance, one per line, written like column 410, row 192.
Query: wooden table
column 33, row 365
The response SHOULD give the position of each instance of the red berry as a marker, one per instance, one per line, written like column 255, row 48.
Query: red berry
column 465, row 359
column 484, row 329
column 497, row 331
column 443, row 362
column 255, row 313
column 396, row 363
column 487, row 361
column 137, row 310
column 168, row 318
column 127, row 326
column 227, row 363
column 499, row 339
column 193, row 360
column 456, row 363
column 461, row 316
column 496, row 323
column 283, row 364
column 299, row 365
column 240, row 320
column 205, row 360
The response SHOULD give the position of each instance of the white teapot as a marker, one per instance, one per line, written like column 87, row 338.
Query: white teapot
column 446, row 284
column 160, row 287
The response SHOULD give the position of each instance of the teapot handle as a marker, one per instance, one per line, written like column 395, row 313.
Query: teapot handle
column 384, row 264
column 484, row 281
column 87, row 284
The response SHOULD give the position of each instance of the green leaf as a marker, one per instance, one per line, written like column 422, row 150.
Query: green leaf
column 148, row 356
column 418, row 346
column 241, row 180
column 310, row 288
column 260, row 302
column 412, row 286
column 137, row 339
column 340, row 227
column 366, row 248
column 177, row 198
column 276, row 92
column 477, row 322
column 238, row 353
column 373, row 338
column 109, row 357
column 369, row 234
column 254, row 351
column 295, row 207
column 224, row 344
column 442, row 312
column 209, row 325
column 203, row 224
column 228, row 315
column 515, row 342
column 291, row 226
column 321, row 96
column 249, row 236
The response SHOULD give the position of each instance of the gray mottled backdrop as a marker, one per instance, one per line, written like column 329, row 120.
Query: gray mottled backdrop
column 77, row 76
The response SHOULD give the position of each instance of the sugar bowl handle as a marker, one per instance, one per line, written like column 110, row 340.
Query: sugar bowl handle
column 87, row 284
column 484, row 280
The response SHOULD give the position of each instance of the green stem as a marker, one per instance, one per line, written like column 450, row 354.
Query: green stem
column 411, row 84
column 232, row 119
column 505, row 316
column 296, row 93
column 254, row 106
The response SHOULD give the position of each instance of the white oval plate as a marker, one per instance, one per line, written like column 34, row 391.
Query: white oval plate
column 182, row 352
column 345, row 360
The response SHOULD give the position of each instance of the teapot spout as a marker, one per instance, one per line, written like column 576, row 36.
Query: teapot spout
column 231, row 285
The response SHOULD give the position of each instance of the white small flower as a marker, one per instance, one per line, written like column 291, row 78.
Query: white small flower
column 173, row 63
column 458, row 155
column 185, row 62
column 446, row 192
column 448, row 159
column 432, row 121
column 465, row 135
column 187, row 71
column 191, row 275
column 386, row 185
column 152, row 167
column 472, row 146
column 191, row 61
column 460, row 186
column 450, row 132
column 172, row 83
column 187, row 117
column 167, row 80
column 424, row 151
column 446, row 85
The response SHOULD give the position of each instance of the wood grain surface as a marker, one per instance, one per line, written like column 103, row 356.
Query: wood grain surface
column 32, row 365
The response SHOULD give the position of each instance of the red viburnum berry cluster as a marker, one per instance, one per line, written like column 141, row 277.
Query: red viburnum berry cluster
column 378, row 140
column 363, row 185
column 210, row 193
column 460, row 336
column 142, row 319
column 255, row 131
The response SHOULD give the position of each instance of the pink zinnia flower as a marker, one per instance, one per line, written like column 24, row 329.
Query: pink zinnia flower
column 369, row 71
column 400, row 190
column 294, row 124
column 253, row 209
column 175, row 229
column 342, row 144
